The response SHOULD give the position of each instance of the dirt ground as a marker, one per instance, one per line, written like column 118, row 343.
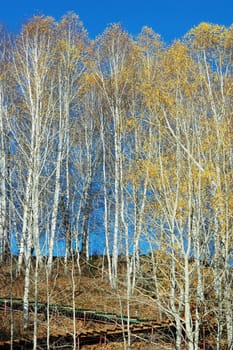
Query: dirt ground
column 66, row 286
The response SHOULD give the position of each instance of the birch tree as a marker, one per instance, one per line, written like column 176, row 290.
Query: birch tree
column 111, row 74
column 70, row 66
column 32, row 62
column 212, row 47
column 4, row 243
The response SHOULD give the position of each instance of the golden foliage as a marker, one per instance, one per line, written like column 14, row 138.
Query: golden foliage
column 38, row 25
column 208, row 36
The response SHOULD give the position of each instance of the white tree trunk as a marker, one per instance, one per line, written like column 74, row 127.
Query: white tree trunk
column 27, row 274
column 117, row 149
column 57, row 185
column 3, row 217
column 106, row 215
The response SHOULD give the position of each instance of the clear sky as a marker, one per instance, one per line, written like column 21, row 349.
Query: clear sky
column 169, row 18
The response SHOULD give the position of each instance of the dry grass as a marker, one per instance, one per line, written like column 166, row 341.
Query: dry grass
column 91, row 291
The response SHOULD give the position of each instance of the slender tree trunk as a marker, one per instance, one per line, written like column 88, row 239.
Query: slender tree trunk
column 3, row 173
column 115, row 250
column 25, row 221
column 35, row 304
column 57, row 185
column 27, row 274
column 106, row 212
column 73, row 303
column 125, row 229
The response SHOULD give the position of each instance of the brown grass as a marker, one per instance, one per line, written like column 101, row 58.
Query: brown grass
column 91, row 290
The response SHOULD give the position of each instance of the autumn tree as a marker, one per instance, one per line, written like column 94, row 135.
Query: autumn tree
column 212, row 48
column 71, row 56
column 130, row 139
column 4, row 145
column 32, row 61
column 112, row 57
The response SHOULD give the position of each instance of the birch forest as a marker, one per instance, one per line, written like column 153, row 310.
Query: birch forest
column 119, row 149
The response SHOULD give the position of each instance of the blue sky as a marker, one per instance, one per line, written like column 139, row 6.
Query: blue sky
column 170, row 19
